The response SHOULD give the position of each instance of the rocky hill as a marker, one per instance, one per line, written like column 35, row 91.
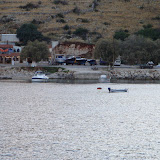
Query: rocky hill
column 58, row 19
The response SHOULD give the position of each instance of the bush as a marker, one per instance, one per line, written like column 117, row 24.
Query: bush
column 66, row 27
column 156, row 18
column 121, row 34
column 149, row 32
column 81, row 32
column 60, row 2
column 61, row 21
column 60, row 15
column 76, row 10
column 29, row 6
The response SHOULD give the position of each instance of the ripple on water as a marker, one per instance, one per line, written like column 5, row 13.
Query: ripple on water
column 77, row 121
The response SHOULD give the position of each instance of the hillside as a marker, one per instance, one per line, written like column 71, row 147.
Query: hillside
column 101, row 17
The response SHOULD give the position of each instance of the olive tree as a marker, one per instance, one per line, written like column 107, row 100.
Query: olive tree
column 36, row 51
column 137, row 50
column 106, row 50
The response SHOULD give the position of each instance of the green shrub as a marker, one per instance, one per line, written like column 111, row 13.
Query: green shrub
column 81, row 32
column 149, row 32
column 60, row 2
column 76, row 10
column 60, row 15
column 66, row 27
column 156, row 18
column 29, row 6
column 61, row 20
column 121, row 34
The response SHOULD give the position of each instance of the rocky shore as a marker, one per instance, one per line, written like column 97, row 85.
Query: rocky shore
column 17, row 73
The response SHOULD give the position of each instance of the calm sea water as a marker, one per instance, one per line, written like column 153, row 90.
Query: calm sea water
column 53, row 121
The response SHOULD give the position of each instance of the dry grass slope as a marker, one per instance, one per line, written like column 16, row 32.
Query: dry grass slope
column 108, row 16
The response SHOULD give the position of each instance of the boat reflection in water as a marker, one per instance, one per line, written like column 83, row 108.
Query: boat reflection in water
column 104, row 79
column 40, row 76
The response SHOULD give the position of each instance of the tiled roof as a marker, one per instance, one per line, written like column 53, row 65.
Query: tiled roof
column 6, row 46
column 10, row 55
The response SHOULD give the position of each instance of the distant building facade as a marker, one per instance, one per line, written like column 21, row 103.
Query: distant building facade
column 9, row 53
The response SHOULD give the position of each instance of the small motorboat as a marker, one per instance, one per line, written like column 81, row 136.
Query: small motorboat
column 117, row 90
column 60, row 58
column 39, row 76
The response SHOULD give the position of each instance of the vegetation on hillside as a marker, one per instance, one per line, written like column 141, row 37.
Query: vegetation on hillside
column 28, row 32
column 101, row 16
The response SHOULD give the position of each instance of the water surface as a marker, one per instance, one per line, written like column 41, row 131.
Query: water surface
column 60, row 121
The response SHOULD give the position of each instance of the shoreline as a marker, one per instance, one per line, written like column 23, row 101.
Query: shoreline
column 82, row 73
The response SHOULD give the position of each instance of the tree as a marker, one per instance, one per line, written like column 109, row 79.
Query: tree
column 81, row 32
column 106, row 50
column 36, row 51
column 28, row 32
column 137, row 50
column 149, row 32
column 121, row 35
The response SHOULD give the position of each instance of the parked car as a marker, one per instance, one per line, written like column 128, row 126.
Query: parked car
column 150, row 63
column 101, row 62
column 146, row 66
column 117, row 62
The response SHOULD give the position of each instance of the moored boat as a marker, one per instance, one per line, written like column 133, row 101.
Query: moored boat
column 39, row 76
column 117, row 90
column 60, row 58
column 80, row 61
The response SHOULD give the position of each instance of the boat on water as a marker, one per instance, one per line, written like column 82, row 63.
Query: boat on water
column 117, row 90
column 39, row 76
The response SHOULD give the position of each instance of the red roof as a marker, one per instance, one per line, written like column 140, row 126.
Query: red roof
column 10, row 55
column 6, row 46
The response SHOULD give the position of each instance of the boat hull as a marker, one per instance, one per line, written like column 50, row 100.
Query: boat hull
column 39, row 79
column 117, row 90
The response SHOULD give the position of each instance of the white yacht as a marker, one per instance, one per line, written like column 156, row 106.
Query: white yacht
column 39, row 76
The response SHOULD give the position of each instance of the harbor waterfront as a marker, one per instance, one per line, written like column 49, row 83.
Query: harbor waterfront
column 82, row 72
column 59, row 121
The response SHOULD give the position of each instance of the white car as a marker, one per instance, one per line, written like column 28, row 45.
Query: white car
column 150, row 63
column 117, row 63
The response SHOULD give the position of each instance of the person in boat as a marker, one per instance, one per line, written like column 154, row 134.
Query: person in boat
column 109, row 89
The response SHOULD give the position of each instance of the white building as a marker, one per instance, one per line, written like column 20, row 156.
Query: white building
column 9, row 39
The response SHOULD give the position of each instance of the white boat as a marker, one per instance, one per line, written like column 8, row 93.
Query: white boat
column 39, row 76
column 60, row 58
column 117, row 90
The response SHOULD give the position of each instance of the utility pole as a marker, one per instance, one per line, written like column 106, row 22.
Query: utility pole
column 113, row 52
